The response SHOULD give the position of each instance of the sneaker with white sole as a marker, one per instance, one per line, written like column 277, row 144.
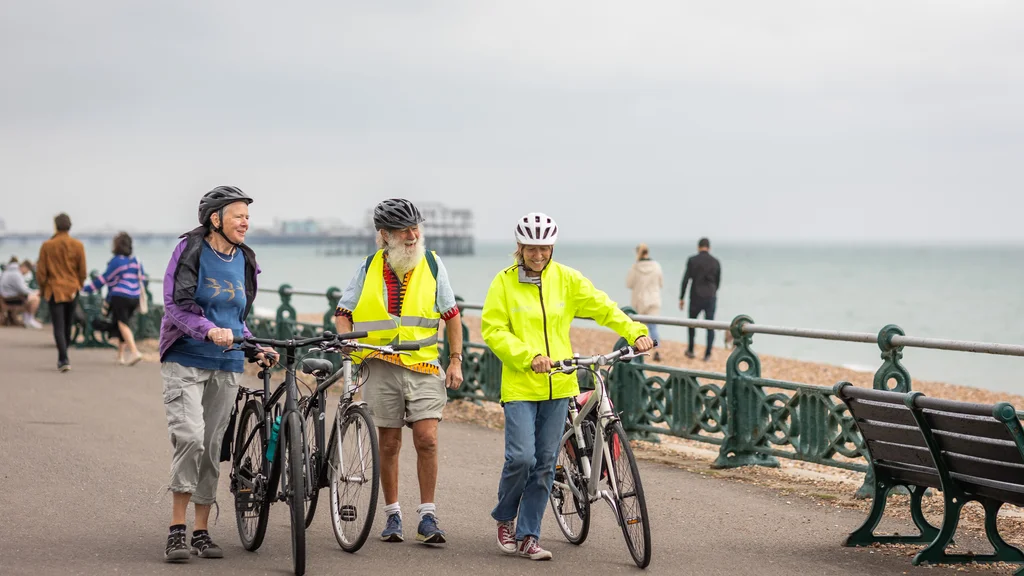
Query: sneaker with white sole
column 428, row 532
column 507, row 537
column 530, row 548
column 392, row 528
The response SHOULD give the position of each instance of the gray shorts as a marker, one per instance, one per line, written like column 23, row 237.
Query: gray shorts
column 398, row 396
column 198, row 406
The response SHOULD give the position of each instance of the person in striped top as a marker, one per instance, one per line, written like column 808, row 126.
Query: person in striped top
column 123, row 278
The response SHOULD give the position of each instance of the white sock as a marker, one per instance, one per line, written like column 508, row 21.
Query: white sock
column 390, row 509
column 427, row 508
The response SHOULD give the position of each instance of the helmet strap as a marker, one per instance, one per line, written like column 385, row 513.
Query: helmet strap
column 220, row 229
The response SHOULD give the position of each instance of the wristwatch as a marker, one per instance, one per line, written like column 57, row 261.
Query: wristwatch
column 455, row 355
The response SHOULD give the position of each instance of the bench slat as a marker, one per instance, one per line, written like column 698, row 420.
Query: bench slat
column 916, row 475
column 1006, row 492
column 891, row 413
column 901, row 454
column 897, row 434
column 967, row 425
column 998, row 450
column 986, row 469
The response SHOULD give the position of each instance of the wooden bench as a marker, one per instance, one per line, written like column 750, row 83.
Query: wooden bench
column 971, row 452
column 10, row 314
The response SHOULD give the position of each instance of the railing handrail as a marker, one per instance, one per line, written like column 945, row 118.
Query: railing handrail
column 752, row 328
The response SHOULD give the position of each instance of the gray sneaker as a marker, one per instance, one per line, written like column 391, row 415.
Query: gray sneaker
column 176, row 550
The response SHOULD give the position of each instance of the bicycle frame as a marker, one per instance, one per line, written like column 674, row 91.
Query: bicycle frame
column 598, row 401
column 270, row 402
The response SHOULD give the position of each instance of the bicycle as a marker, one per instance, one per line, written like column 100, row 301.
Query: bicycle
column 594, row 428
column 269, row 457
column 353, row 459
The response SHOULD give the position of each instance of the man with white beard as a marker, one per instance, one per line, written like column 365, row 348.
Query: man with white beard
column 399, row 295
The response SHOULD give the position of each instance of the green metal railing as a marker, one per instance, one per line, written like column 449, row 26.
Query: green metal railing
column 753, row 420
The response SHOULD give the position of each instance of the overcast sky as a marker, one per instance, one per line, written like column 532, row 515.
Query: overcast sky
column 656, row 121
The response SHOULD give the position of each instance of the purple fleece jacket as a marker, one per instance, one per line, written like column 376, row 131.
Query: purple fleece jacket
column 184, row 321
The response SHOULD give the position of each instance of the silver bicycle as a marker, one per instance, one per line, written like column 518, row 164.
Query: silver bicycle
column 581, row 478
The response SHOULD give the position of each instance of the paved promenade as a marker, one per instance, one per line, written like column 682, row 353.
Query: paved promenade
column 84, row 457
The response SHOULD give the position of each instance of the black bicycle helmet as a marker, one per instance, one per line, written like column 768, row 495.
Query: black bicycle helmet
column 395, row 214
column 215, row 201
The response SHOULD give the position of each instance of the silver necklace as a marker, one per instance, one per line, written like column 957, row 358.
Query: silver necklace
column 217, row 253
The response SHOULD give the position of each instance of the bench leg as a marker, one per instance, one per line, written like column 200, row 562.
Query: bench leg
column 928, row 532
column 865, row 535
column 935, row 553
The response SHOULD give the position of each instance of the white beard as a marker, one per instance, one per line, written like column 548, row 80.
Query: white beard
column 404, row 258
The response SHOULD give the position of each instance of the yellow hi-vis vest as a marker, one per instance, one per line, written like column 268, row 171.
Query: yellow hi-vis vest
column 419, row 322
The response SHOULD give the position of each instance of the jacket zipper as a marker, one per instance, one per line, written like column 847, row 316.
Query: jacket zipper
column 547, row 347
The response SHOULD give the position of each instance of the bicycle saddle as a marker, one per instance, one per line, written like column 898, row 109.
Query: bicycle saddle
column 314, row 365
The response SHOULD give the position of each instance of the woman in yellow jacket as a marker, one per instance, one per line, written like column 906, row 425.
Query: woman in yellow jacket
column 525, row 322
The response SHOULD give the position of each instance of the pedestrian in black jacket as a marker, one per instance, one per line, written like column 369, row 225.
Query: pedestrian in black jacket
column 706, row 273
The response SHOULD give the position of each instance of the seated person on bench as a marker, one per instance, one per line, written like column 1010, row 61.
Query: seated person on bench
column 15, row 291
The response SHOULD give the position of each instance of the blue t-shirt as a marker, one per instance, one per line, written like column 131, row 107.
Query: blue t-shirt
column 220, row 292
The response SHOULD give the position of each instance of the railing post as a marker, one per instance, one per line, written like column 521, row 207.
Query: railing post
column 285, row 318
column 892, row 370
column 746, row 415
column 628, row 392
column 333, row 297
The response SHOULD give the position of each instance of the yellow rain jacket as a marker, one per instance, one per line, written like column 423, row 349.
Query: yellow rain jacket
column 522, row 320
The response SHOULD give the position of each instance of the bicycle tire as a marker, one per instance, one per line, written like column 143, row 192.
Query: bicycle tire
column 312, row 414
column 295, row 490
column 632, row 504
column 251, row 509
column 569, row 471
column 350, row 524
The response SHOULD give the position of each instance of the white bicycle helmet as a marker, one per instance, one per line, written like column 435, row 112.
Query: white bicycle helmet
column 536, row 229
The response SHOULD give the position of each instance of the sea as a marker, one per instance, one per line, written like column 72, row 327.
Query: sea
column 953, row 292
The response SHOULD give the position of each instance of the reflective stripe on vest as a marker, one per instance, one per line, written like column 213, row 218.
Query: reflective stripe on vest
column 419, row 323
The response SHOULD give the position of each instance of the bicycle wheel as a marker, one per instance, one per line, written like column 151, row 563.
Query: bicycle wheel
column 313, row 412
column 294, row 488
column 248, row 478
column 572, row 513
column 636, row 526
column 354, row 469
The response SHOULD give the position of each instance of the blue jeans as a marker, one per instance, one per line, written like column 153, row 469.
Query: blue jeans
column 532, row 434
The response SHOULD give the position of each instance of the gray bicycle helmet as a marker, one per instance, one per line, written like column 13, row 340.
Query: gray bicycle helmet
column 215, row 201
column 395, row 214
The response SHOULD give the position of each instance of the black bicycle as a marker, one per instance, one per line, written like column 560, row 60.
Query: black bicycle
column 269, row 456
column 350, row 465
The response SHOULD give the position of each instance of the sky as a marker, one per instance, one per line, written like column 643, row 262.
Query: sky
column 741, row 120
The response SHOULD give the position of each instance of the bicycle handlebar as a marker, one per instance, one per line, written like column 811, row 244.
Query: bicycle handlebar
column 624, row 354
column 299, row 343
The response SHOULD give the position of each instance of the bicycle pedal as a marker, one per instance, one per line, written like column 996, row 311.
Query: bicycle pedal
column 348, row 513
column 245, row 500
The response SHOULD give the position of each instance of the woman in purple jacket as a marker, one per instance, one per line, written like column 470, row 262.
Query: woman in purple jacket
column 209, row 288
